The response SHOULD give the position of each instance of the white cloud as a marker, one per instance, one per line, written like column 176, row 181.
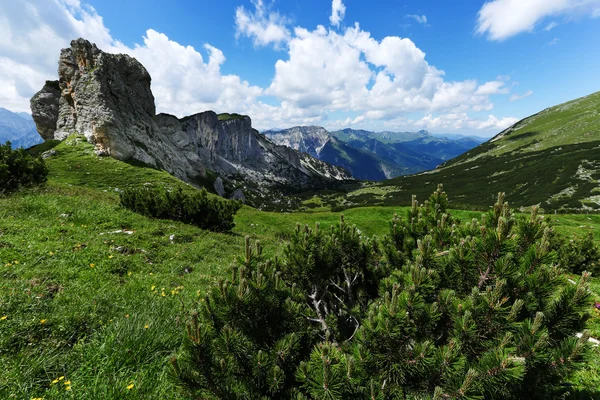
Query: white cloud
column 183, row 82
column 551, row 26
column 516, row 97
column 553, row 42
column 379, row 79
column 374, row 80
column 501, row 19
column 421, row 19
column 338, row 11
column 492, row 87
column 461, row 121
column 263, row 26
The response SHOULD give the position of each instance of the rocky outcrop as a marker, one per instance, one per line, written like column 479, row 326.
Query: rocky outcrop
column 107, row 98
column 44, row 109
column 231, row 147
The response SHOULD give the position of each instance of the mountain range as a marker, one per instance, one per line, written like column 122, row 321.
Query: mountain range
column 18, row 128
column 370, row 155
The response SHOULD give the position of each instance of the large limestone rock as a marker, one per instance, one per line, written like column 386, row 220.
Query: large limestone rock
column 107, row 98
column 44, row 109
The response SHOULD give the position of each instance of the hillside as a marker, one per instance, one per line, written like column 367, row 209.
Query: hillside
column 18, row 128
column 550, row 158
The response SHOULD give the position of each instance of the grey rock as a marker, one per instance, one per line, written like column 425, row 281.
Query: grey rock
column 49, row 154
column 219, row 188
column 238, row 194
column 44, row 109
column 107, row 98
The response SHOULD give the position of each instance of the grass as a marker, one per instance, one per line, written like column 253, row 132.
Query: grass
column 99, row 295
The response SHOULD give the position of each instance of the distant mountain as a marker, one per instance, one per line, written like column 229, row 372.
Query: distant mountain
column 434, row 146
column 364, row 157
column 319, row 143
column 442, row 148
column 18, row 128
column 348, row 135
column 550, row 158
column 455, row 136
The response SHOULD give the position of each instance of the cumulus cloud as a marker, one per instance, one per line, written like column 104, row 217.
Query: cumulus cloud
column 184, row 81
column 262, row 25
column 421, row 19
column 492, row 87
column 380, row 79
column 516, row 97
column 375, row 81
column 461, row 121
column 338, row 11
column 31, row 36
column 501, row 19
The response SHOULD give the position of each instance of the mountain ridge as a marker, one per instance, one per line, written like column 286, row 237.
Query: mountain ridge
column 107, row 98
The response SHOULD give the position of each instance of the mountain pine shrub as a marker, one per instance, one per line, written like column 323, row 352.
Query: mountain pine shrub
column 19, row 169
column 581, row 254
column 437, row 309
column 196, row 208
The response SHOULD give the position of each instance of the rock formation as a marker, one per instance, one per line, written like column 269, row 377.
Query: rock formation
column 107, row 98
column 44, row 108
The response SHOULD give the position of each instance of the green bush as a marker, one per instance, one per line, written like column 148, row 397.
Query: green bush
column 437, row 309
column 19, row 169
column 581, row 254
column 195, row 208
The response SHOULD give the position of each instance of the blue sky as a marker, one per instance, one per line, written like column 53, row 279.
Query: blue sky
column 470, row 67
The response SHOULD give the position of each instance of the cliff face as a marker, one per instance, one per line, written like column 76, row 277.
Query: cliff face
column 307, row 139
column 107, row 98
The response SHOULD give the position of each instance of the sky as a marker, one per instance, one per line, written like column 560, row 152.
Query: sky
column 470, row 67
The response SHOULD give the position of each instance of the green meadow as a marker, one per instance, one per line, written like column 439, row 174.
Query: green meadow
column 94, row 298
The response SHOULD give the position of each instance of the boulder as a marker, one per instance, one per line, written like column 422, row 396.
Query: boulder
column 238, row 195
column 219, row 188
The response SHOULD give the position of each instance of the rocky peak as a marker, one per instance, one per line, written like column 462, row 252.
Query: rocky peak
column 307, row 139
column 107, row 98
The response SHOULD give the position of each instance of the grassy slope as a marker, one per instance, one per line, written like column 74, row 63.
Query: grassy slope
column 536, row 161
column 106, row 309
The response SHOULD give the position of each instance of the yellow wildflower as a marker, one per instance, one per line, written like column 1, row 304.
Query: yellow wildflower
column 153, row 287
column 145, row 326
column 130, row 387
column 92, row 265
column 51, row 253
column 68, row 388
column 68, row 383
column 163, row 294
column 111, row 256
column 42, row 321
column 61, row 378
column 129, row 273
column 126, row 315
column 3, row 318
column 37, row 398
column 16, row 262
